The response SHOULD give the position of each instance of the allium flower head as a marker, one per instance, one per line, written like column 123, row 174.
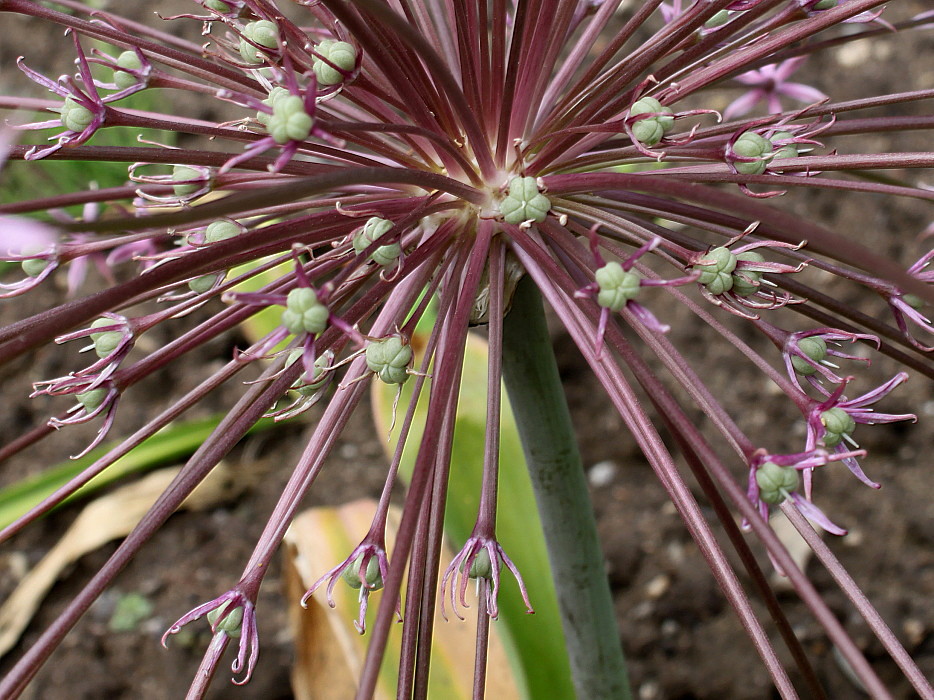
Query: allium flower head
column 389, row 175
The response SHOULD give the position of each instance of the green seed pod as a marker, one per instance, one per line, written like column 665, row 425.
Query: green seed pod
column 74, row 116
column 230, row 622
column 289, row 120
column 746, row 282
column 200, row 285
column 220, row 230
column 651, row 130
column 616, row 286
column 217, row 5
column 183, row 173
column 825, row 5
column 775, row 482
column 716, row 273
column 752, row 145
column 105, row 342
column 276, row 94
column 389, row 358
column 304, row 313
column 788, row 150
column 341, row 54
column 838, row 423
column 372, row 576
column 91, row 400
column 128, row 60
column 372, row 230
column 263, row 33
column 524, row 202
column 34, row 267
column 815, row 348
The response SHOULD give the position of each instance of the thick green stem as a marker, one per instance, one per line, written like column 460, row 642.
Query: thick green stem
column 537, row 398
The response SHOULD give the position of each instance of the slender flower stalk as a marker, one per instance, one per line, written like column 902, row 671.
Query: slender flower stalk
column 381, row 156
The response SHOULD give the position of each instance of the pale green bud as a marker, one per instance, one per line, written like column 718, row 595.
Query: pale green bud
column 838, row 423
column 788, row 150
column 220, row 230
column 372, row 576
column 128, row 60
column 651, row 130
column 341, row 54
column 227, row 622
column 524, row 202
column 74, row 116
column 617, row 286
column 200, row 285
column 34, row 267
column 716, row 271
column 815, row 348
column 107, row 341
column 373, row 230
column 276, row 94
column 745, row 282
column 389, row 359
column 91, row 400
column 289, row 120
column 182, row 173
column 304, row 313
column 775, row 482
column 263, row 33
column 752, row 145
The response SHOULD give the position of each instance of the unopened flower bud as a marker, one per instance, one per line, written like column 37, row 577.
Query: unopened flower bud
column 746, row 282
column 304, row 313
column 341, row 54
column 107, row 341
column 650, row 131
column 524, row 202
column 752, row 145
column 775, row 482
column 220, row 230
column 717, row 270
column 183, row 174
column 389, row 359
column 814, row 347
column 786, row 150
column 74, row 116
column 91, row 400
column 289, row 120
column 838, row 423
column 227, row 622
column 372, row 575
column 34, row 267
column 617, row 286
column 262, row 33
column 276, row 94
column 128, row 60
column 374, row 229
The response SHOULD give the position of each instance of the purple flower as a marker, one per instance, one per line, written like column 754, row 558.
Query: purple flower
column 480, row 558
column 230, row 615
column 907, row 307
column 365, row 569
column 768, row 84
column 774, row 479
column 830, row 423
column 82, row 113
